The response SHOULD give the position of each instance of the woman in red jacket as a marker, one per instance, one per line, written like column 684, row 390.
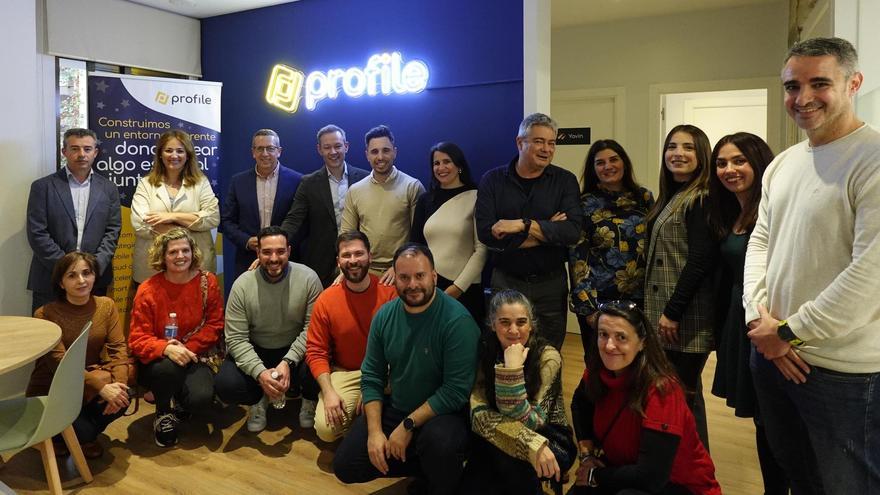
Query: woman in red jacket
column 635, row 432
column 171, row 353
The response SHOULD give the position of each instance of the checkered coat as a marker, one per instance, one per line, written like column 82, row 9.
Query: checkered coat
column 667, row 256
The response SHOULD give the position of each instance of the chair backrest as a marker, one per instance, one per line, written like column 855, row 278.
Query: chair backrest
column 64, row 401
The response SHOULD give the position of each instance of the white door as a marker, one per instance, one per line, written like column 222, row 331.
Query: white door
column 718, row 113
column 600, row 111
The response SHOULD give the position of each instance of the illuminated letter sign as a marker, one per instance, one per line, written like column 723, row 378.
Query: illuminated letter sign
column 384, row 73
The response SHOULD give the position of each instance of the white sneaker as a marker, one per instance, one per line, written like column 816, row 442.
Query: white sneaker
column 256, row 421
column 307, row 413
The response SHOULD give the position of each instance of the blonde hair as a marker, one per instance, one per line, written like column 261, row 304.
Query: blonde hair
column 156, row 254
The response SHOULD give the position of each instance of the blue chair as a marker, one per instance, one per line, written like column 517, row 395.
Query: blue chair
column 33, row 421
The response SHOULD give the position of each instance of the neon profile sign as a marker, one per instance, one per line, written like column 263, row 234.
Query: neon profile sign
column 384, row 73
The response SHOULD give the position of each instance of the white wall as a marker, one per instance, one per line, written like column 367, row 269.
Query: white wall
column 739, row 43
column 26, row 152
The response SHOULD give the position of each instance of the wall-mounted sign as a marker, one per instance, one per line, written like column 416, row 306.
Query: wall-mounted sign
column 573, row 135
column 384, row 73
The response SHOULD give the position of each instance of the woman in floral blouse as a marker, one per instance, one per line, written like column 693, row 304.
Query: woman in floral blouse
column 608, row 262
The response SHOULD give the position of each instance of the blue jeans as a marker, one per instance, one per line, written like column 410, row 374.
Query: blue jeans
column 833, row 417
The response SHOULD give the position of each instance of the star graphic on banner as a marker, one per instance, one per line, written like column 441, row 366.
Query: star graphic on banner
column 181, row 125
column 125, row 103
column 116, row 109
column 101, row 86
column 214, row 182
column 123, row 196
column 100, row 105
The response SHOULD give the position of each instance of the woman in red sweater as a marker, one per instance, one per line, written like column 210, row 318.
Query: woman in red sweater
column 171, row 365
column 635, row 432
column 105, row 396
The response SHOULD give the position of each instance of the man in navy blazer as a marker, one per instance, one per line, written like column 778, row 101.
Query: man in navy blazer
column 316, row 213
column 72, row 209
column 258, row 197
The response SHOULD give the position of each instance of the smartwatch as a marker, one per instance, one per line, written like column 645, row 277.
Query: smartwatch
column 527, row 223
column 409, row 424
column 784, row 332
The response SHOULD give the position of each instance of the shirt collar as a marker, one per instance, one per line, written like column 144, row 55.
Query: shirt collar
column 281, row 279
column 391, row 176
column 344, row 171
column 272, row 174
column 71, row 176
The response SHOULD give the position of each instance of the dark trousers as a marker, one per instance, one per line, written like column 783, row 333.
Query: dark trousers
column 490, row 471
column 472, row 299
column 669, row 489
column 192, row 386
column 437, row 451
column 549, row 296
column 588, row 334
column 233, row 386
column 92, row 420
column 689, row 367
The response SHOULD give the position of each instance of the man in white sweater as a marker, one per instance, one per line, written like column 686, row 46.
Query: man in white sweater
column 811, row 282
column 267, row 315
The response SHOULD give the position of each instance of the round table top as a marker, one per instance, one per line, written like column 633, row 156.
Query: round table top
column 24, row 339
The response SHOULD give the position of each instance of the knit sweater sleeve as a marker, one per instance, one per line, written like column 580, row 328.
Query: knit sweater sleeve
column 507, row 434
column 318, row 339
column 510, row 390
column 312, row 289
column 238, row 343
column 143, row 339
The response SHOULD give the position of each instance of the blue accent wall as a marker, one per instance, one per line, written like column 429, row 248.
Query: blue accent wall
column 474, row 97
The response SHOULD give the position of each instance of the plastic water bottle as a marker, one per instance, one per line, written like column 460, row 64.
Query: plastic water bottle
column 278, row 404
column 171, row 326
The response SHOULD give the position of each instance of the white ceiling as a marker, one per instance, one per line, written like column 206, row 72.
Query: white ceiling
column 564, row 12
column 578, row 12
column 199, row 9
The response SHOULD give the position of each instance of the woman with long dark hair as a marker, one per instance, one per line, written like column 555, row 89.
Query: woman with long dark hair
column 635, row 433
column 678, row 285
column 517, row 410
column 608, row 262
column 740, row 160
column 444, row 221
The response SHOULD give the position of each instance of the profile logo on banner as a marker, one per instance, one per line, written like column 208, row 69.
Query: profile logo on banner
column 129, row 113
column 384, row 73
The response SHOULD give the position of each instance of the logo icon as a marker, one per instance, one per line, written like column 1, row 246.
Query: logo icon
column 161, row 98
column 384, row 73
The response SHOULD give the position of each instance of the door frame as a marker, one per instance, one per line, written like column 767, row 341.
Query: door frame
column 775, row 122
column 617, row 94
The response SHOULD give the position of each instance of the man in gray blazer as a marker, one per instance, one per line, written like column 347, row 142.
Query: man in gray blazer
column 72, row 209
column 316, row 213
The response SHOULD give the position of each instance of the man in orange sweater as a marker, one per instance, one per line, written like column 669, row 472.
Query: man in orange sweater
column 337, row 335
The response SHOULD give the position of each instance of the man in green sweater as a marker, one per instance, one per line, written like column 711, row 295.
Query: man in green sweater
column 425, row 344
column 267, row 315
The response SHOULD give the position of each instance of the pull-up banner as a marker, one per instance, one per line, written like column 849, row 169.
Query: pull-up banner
column 129, row 113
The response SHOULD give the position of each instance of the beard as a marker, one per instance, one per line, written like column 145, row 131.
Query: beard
column 416, row 298
column 359, row 275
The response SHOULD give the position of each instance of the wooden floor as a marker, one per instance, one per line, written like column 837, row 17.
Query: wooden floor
column 219, row 455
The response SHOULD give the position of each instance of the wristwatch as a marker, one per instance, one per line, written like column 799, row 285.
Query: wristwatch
column 409, row 424
column 289, row 362
column 527, row 224
column 784, row 332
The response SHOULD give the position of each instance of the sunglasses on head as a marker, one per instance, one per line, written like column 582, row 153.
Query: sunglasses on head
column 619, row 304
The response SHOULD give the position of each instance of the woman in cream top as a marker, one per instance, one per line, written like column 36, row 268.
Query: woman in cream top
column 175, row 194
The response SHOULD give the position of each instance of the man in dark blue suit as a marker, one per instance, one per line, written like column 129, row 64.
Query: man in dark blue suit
column 257, row 198
column 72, row 209
column 316, row 213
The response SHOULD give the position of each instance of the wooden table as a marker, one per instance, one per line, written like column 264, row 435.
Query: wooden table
column 24, row 339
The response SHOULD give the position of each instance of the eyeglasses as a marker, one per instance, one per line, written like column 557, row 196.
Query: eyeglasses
column 267, row 149
column 618, row 304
